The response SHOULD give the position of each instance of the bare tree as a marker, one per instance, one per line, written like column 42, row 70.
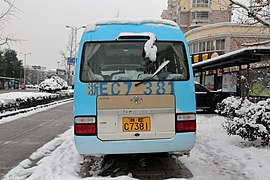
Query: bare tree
column 64, row 59
column 258, row 11
column 70, row 49
column 255, row 80
column 70, row 52
column 9, row 10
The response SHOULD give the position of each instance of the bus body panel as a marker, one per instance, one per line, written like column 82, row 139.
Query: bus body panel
column 92, row 145
column 186, row 100
column 154, row 109
column 85, row 103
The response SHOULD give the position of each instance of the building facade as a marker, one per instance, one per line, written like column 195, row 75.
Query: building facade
column 217, row 39
column 9, row 83
column 36, row 74
column 220, row 38
column 190, row 14
column 210, row 34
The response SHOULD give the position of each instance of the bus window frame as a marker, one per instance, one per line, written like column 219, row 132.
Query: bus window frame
column 133, row 40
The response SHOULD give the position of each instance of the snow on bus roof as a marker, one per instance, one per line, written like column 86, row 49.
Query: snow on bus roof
column 157, row 22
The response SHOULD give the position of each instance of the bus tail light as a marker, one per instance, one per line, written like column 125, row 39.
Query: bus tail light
column 185, row 123
column 85, row 129
column 85, row 126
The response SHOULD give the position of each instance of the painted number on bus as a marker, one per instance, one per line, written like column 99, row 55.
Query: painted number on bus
column 126, row 88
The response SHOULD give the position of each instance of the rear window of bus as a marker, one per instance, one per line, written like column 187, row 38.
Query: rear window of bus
column 125, row 61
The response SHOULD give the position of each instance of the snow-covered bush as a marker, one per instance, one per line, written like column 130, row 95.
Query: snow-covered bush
column 53, row 84
column 61, row 82
column 248, row 120
column 49, row 85
column 233, row 106
column 22, row 100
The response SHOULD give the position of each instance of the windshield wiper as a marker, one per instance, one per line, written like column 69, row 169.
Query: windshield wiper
column 165, row 63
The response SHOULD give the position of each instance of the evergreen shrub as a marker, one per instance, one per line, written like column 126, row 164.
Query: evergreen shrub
column 248, row 120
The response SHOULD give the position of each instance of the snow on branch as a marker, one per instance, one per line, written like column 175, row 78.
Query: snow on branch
column 9, row 10
column 252, row 13
column 9, row 40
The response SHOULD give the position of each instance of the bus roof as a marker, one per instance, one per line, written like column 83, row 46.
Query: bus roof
column 156, row 22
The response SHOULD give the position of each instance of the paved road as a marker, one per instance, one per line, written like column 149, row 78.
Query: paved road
column 20, row 138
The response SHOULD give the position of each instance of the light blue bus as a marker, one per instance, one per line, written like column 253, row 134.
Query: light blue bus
column 133, row 89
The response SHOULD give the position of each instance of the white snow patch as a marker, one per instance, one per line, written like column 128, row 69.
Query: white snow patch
column 92, row 26
column 215, row 156
column 151, row 49
column 62, row 163
column 46, row 149
column 4, row 97
column 228, row 55
column 225, row 157
column 220, row 155
column 25, row 164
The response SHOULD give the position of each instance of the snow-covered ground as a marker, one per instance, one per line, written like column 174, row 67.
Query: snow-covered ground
column 219, row 156
column 215, row 156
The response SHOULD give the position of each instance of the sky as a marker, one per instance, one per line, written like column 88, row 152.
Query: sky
column 41, row 24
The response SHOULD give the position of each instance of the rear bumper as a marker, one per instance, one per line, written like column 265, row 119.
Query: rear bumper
column 181, row 142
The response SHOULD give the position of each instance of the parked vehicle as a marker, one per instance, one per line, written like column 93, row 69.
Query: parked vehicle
column 134, row 89
column 206, row 99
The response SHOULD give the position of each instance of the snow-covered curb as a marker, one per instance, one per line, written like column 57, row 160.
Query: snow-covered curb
column 18, row 102
column 13, row 115
column 27, row 167
column 57, row 159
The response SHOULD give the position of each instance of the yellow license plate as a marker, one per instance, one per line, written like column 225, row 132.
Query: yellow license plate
column 136, row 124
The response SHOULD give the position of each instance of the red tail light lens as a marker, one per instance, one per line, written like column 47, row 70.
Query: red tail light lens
column 85, row 129
column 186, row 126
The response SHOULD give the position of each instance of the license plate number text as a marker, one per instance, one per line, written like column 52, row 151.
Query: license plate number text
column 136, row 124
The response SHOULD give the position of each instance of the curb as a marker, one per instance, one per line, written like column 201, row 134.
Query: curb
column 12, row 113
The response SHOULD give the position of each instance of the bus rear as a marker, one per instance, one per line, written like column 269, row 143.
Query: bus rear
column 134, row 89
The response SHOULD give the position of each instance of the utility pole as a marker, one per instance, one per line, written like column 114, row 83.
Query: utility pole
column 24, row 69
column 70, row 55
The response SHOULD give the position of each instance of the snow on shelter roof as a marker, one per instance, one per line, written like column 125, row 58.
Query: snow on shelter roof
column 92, row 26
column 234, row 58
